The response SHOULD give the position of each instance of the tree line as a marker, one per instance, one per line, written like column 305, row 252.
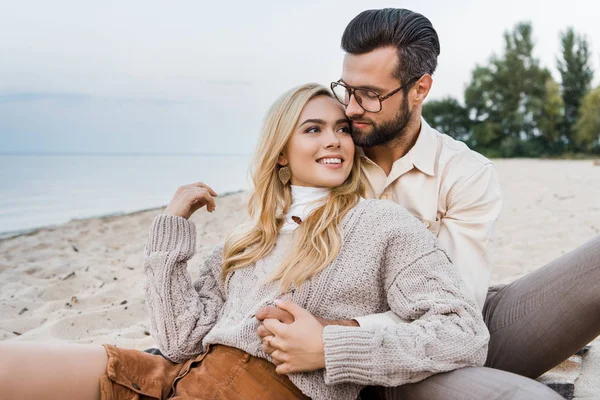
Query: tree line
column 513, row 107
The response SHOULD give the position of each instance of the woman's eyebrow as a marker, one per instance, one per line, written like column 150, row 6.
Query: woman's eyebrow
column 313, row 121
column 342, row 121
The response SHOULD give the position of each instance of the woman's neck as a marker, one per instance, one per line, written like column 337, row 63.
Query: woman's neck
column 304, row 200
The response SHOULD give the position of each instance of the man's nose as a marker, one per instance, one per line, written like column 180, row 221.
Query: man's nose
column 353, row 108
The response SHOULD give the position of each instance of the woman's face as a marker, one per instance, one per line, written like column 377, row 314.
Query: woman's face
column 320, row 152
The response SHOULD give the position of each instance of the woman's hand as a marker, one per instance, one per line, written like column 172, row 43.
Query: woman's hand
column 299, row 345
column 190, row 198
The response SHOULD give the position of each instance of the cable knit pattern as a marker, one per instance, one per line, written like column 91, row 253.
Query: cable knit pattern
column 388, row 261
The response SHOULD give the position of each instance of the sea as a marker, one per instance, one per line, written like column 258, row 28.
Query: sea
column 39, row 190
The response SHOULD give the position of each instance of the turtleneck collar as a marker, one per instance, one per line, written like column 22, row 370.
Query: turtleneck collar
column 304, row 201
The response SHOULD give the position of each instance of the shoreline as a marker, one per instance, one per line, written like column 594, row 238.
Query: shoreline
column 32, row 231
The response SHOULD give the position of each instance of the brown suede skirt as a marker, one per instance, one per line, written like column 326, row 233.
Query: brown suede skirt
column 221, row 373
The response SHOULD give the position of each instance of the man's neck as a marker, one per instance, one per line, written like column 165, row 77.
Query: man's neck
column 386, row 154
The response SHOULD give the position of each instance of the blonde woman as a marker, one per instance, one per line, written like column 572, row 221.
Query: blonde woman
column 312, row 240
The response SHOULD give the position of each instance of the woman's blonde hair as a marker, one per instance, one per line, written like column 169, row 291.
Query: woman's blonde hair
column 318, row 240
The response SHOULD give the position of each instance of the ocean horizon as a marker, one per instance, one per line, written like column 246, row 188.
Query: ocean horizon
column 45, row 189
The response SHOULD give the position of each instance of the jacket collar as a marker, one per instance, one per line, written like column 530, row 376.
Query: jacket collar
column 422, row 155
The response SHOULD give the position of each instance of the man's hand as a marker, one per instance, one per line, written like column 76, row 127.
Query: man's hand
column 286, row 317
column 298, row 347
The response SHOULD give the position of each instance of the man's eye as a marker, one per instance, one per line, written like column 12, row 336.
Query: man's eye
column 312, row 129
column 371, row 95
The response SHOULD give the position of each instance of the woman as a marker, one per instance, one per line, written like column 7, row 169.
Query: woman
column 312, row 240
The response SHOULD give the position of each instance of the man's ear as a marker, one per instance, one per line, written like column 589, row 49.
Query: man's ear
column 422, row 87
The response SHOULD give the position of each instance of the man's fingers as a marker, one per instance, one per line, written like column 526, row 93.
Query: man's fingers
column 274, row 313
column 266, row 348
column 289, row 306
column 263, row 332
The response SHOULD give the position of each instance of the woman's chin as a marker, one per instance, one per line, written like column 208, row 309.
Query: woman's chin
column 331, row 183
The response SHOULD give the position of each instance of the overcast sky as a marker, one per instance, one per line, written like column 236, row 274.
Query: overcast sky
column 197, row 76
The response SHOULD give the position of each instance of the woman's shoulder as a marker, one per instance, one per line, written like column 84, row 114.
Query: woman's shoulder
column 385, row 209
column 386, row 215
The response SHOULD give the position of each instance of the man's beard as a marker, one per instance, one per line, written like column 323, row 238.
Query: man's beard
column 383, row 132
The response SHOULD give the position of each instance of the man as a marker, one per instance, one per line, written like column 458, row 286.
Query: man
column 535, row 322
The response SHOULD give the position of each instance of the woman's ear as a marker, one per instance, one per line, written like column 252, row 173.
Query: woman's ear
column 282, row 160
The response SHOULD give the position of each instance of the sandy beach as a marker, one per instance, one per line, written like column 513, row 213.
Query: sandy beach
column 83, row 281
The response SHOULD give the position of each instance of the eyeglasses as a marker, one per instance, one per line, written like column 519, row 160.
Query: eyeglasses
column 368, row 99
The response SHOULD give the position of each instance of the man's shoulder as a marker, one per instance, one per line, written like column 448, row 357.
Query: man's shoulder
column 457, row 158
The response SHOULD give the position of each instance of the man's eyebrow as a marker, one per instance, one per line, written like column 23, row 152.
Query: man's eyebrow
column 313, row 121
column 374, row 88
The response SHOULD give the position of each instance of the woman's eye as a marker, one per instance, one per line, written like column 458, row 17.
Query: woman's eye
column 345, row 129
column 313, row 129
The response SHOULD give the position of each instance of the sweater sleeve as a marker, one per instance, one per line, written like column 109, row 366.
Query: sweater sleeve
column 181, row 312
column 445, row 329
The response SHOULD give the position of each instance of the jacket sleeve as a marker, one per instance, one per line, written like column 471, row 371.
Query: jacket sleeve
column 467, row 228
column 181, row 312
column 444, row 329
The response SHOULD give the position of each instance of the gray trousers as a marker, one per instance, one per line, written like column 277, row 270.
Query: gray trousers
column 535, row 323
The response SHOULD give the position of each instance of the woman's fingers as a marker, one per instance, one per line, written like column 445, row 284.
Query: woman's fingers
column 205, row 186
column 197, row 197
column 189, row 198
column 277, row 343
column 279, row 356
column 284, row 369
column 203, row 197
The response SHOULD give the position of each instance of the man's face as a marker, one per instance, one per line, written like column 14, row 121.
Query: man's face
column 375, row 70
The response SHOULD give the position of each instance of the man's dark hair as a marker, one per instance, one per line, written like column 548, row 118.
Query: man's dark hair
column 411, row 33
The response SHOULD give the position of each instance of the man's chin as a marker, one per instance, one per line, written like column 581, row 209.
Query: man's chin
column 361, row 136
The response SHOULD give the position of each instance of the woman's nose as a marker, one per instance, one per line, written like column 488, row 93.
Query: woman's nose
column 333, row 141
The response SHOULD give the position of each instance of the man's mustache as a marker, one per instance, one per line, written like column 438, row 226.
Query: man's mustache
column 361, row 121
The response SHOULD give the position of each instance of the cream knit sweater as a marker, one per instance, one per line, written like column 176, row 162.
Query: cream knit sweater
column 388, row 261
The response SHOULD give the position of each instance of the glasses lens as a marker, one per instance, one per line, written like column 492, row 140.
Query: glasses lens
column 341, row 93
column 368, row 99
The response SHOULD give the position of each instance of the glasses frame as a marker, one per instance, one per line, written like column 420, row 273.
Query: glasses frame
column 352, row 89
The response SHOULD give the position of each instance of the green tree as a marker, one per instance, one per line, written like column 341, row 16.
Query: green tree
column 587, row 127
column 576, row 76
column 506, row 99
column 550, row 118
column 450, row 117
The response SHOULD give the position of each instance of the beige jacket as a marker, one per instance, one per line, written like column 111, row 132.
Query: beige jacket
column 455, row 192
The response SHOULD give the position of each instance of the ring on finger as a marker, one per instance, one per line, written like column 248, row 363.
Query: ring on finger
column 268, row 340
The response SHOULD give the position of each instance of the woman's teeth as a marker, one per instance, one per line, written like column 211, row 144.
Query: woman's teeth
column 330, row 161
